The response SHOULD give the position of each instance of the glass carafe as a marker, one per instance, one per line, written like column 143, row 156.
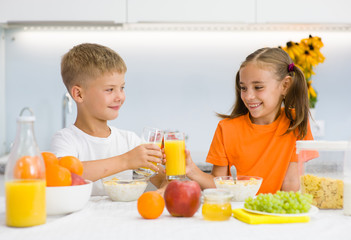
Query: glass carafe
column 25, row 177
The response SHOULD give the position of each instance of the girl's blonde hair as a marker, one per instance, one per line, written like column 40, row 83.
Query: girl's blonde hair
column 88, row 61
column 296, row 100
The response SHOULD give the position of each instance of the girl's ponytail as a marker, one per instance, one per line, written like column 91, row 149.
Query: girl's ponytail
column 297, row 99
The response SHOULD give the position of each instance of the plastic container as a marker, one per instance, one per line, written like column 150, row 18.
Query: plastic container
column 321, row 169
column 25, row 177
column 216, row 206
column 347, row 181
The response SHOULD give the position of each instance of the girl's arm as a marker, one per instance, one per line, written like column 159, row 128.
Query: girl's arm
column 205, row 180
column 291, row 181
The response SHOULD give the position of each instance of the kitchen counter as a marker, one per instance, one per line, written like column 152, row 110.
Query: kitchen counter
column 104, row 219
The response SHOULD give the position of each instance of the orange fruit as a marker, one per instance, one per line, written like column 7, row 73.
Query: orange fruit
column 27, row 167
column 57, row 176
column 49, row 158
column 151, row 205
column 73, row 164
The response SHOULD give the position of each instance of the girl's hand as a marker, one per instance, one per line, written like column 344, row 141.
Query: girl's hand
column 144, row 156
column 189, row 164
column 163, row 156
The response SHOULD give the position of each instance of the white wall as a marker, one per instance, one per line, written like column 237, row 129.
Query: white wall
column 2, row 93
column 175, row 80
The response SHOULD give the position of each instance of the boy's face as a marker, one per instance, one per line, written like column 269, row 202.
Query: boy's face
column 104, row 96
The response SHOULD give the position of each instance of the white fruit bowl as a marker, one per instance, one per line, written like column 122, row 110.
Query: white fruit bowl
column 64, row 200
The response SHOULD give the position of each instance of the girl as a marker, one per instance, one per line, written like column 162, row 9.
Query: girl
column 269, row 115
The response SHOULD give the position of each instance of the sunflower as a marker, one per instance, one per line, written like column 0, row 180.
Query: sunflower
column 307, row 55
column 293, row 49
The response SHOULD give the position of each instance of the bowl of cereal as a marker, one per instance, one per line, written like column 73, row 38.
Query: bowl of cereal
column 125, row 190
column 242, row 188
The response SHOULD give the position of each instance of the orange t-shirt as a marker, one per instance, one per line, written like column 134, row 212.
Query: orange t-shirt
column 256, row 150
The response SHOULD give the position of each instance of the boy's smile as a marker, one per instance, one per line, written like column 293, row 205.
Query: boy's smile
column 261, row 93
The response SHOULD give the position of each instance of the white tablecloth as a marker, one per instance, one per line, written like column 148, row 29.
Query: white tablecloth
column 103, row 219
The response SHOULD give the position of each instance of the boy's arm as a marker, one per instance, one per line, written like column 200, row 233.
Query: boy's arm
column 141, row 156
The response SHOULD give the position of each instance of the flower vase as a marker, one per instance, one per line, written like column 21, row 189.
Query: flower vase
column 312, row 115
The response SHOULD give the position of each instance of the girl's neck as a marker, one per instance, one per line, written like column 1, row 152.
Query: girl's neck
column 261, row 121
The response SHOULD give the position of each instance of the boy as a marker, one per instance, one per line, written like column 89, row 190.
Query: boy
column 94, row 76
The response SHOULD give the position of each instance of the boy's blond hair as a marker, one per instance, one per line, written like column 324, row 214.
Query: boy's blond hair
column 88, row 61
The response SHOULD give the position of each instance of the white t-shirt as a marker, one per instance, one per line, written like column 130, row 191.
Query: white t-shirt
column 72, row 141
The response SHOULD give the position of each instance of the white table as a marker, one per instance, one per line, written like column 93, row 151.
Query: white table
column 103, row 219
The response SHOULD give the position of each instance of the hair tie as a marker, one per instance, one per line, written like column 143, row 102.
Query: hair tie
column 291, row 67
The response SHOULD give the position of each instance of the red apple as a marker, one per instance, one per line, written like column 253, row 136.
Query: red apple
column 182, row 198
column 77, row 180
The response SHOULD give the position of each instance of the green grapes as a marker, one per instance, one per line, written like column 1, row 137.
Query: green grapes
column 280, row 202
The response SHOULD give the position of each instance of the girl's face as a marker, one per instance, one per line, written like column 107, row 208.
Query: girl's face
column 104, row 96
column 261, row 93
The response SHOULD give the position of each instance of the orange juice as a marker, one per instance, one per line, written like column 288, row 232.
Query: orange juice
column 175, row 158
column 25, row 203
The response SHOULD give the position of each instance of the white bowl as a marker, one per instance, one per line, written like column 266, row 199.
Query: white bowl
column 68, row 199
column 242, row 188
column 125, row 190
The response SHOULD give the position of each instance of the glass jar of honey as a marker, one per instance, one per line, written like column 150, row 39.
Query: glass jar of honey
column 216, row 206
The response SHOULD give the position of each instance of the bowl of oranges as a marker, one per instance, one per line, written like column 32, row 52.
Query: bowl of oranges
column 66, row 190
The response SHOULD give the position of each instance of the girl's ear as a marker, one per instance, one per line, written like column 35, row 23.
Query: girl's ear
column 77, row 94
column 285, row 84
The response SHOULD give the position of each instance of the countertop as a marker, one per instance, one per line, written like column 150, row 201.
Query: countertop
column 103, row 219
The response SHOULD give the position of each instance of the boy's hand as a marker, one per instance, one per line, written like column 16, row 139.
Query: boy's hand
column 144, row 156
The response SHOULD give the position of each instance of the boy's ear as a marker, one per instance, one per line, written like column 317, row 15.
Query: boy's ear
column 286, row 83
column 77, row 94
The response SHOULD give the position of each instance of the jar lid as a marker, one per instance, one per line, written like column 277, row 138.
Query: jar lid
column 321, row 145
column 217, row 194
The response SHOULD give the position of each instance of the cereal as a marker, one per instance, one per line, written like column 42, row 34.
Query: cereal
column 327, row 192
column 124, row 190
column 241, row 189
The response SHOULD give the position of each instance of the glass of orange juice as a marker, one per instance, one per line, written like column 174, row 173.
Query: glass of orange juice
column 174, row 144
column 150, row 135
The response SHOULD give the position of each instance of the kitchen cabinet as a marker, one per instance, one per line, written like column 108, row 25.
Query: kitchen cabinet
column 195, row 11
column 63, row 10
column 302, row 11
column 181, row 11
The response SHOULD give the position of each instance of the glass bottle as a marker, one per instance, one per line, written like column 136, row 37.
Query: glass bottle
column 217, row 206
column 25, row 177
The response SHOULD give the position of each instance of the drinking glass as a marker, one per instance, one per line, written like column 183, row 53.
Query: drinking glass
column 150, row 135
column 174, row 144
